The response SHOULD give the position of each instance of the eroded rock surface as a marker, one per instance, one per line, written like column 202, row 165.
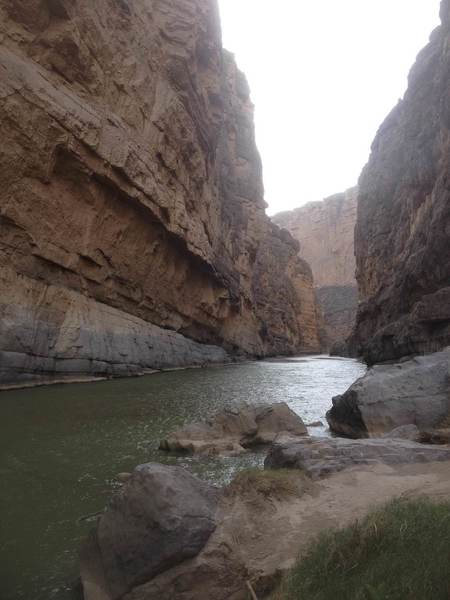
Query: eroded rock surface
column 131, row 196
column 318, row 457
column 402, row 236
column 325, row 231
column 234, row 430
column 405, row 432
column 415, row 391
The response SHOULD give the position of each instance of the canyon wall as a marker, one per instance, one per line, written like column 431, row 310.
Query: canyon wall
column 402, row 235
column 133, row 232
column 325, row 231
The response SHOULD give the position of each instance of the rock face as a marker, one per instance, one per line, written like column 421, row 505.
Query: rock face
column 323, row 456
column 235, row 429
column 161, row 517
column 402, row 235
column 325, row 231
column 132, row 219
column 415, row 391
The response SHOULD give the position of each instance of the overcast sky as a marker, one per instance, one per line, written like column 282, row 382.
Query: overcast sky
column 323, row 74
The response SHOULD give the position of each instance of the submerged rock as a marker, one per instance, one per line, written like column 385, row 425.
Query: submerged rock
column 323, row 456
column 391, row 395
column 233, row 430
column 161, row 517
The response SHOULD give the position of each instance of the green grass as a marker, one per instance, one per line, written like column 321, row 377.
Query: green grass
column 400, row 552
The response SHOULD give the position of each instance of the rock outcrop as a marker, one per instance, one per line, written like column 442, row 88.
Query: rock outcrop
column 317, row 457
column 325, row 231
column 415, row 391
column 263, row 520
column 234, row 430
column 402, row 236
column 132, row 219
column 161, row 517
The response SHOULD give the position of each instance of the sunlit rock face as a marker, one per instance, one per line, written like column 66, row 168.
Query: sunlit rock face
column 403, row 226
column 133, row 226
column 325, row 231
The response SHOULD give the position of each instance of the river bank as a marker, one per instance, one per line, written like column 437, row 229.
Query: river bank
column 68, row 442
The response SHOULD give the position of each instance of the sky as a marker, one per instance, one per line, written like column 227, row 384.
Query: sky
column 324, row 75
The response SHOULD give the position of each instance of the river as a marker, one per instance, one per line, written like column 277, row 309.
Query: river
column 62, row 446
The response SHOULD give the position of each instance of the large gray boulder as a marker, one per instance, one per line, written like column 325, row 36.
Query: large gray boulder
column 414, row 391
column 234, row 430
column 324, row 456
column 161, row 516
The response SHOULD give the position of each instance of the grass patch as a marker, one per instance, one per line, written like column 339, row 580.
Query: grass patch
column 400, row 552
column 277, row 483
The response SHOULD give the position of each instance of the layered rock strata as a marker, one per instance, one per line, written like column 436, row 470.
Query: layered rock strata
column 132, row 219
column 325, row 231
column 402, row 235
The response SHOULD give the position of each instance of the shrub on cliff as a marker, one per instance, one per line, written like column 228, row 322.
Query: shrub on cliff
column 400, row 552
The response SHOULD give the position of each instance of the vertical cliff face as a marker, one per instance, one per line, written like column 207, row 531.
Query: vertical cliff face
column 132, row 223
column 403, row 225
column 325, row 231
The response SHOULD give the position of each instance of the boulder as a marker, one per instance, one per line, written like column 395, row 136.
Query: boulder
column 388, row 396
column 233, row 430
column 324, row 456
column 161, row 516
column 405, row 432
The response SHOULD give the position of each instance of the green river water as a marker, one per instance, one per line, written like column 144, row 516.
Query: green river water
column 62, row 446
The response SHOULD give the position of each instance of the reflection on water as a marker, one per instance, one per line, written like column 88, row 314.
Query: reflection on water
column 61, row 447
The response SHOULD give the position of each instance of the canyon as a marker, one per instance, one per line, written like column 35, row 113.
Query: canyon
column 134, row 238
column 325, row 232
column 403, row 225
column 133, row 227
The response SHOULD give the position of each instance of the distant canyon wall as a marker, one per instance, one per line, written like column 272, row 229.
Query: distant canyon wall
column 403, row 226
column 133, row 232
column 325, row 231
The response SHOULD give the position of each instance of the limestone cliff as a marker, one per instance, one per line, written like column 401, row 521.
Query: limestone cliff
column 403, row 227
column 325, row 231
column 133, row 227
